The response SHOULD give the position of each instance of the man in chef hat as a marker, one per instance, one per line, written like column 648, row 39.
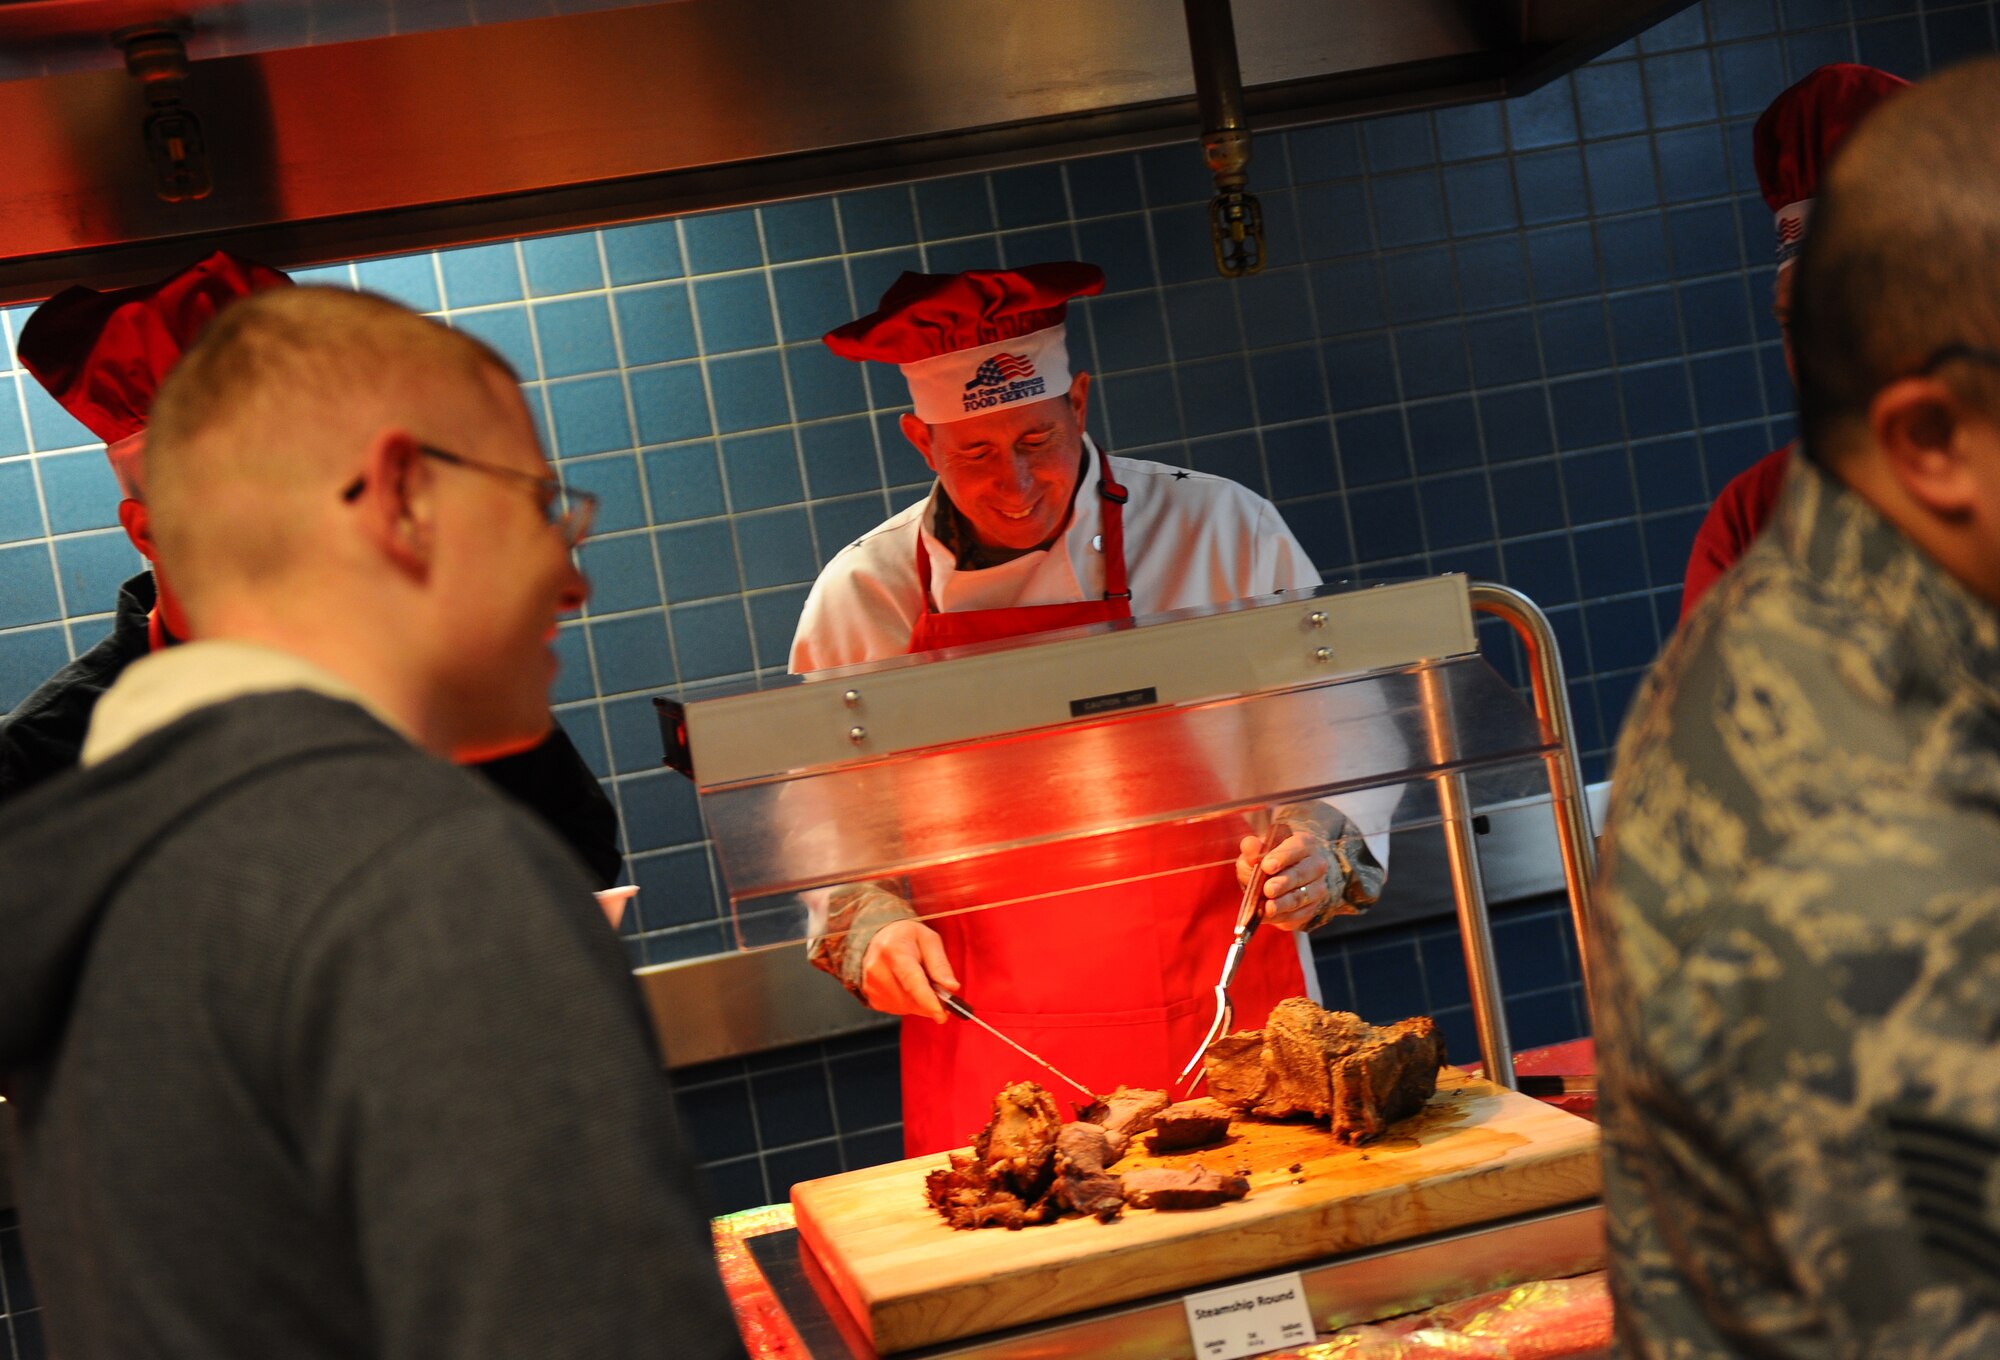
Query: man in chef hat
column 1793, row 142
column 103, row 356
column 1031, row 527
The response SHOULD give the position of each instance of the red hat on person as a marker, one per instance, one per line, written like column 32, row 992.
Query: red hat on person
column 972, row 342
column 103, row 356
column 1795, row 139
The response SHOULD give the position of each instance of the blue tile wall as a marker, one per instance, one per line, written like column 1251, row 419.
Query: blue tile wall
column 1530, row 338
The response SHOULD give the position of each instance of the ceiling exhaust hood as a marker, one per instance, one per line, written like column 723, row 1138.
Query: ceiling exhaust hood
column 326, row 133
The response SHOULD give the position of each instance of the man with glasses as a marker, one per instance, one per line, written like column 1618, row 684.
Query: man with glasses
column 568, row 511
column 318, row 1046
column 102, row 356
column 1798, row 966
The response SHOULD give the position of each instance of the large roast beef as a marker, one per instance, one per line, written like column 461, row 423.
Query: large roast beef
column 1330, row 1066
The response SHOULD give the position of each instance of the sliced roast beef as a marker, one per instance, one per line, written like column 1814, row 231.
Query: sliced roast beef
column 1193, row 1188
column 1127, row 1110
column 1084, row 1147
column 1190, row 1124
column 1234, row 1066
column 1389, row 1076
column 1098, row 1193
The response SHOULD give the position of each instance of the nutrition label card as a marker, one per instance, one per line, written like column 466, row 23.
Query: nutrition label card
column 1250, row 1318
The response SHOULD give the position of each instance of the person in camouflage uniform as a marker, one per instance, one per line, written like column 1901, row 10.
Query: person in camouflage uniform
column 1797, row 970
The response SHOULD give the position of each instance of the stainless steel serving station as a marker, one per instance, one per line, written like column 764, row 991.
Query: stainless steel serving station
column 945, row 768
column 943, row 771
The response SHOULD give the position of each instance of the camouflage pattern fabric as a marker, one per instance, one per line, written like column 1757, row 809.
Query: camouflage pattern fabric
column 1798, row 960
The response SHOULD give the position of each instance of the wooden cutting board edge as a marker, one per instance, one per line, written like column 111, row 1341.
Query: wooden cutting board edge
column 905, row 1323
column 1568, row 1173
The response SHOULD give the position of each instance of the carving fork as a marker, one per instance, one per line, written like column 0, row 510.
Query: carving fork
column 1248, row 914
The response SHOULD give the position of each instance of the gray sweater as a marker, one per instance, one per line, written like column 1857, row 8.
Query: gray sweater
column 320, row 1048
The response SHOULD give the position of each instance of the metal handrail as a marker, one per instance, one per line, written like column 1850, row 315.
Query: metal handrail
column 1574, row 835
column 1468, row 889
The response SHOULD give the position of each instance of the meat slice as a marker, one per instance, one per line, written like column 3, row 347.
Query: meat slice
column 1190, row 1124
column 1008, row 1179
column 968, row 1197
column 1390, row 1076
column 1083, row 1150
column 1019, row 1141
column 1299, row 1038
column 1084, row 1147
column 1128, row 1110
column 1330, row 1066
column 1193, row 1188
column 1098, row 1193
column 1234, row 1068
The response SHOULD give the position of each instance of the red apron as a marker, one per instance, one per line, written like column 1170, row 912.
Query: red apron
column 1111, row 984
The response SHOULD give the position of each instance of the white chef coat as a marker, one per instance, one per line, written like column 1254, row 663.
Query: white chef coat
column 1190, row 539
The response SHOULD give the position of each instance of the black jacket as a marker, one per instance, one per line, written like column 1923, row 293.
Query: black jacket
column 44, row 736
column 318, row 1049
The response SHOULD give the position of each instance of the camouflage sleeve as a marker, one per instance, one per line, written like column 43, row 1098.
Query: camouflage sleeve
column 1354, row 877
column 1803, row 1072
column 845, row 923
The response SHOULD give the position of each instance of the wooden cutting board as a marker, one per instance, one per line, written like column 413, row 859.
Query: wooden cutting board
column 1475, row 1154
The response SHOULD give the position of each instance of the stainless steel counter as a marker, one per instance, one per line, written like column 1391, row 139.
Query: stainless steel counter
column 1357, row 1287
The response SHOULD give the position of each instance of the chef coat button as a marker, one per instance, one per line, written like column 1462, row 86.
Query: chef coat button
column 1097, row 542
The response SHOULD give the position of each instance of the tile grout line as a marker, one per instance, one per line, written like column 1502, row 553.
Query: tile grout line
column 555, row 440
column 715, row 888
column 617, row 785
column 1320, row 341
column 1158, row 288
column 1686, row 361
column 1480, row 446
column 798, row 448
column 1547, row 382
column 875, row 409
column 41, row 498
column 1422, row 548
column 1617, row 375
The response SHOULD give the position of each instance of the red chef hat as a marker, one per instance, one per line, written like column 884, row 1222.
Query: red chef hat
column 1796, row 137
column 968, row 343
column 104, row 355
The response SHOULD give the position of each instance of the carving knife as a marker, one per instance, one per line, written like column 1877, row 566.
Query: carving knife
column 959, row 1008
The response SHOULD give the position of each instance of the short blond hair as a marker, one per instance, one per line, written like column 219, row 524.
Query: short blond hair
column 265, row 414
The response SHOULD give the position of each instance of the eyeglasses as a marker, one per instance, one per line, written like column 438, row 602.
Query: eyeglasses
column 567, row 509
